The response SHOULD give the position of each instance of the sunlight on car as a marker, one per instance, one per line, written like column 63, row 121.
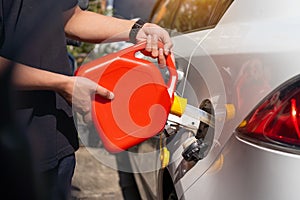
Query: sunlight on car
column 190, row 14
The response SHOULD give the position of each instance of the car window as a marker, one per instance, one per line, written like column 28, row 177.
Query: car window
column 189, row 15
column 219, row 11
column 164, row 12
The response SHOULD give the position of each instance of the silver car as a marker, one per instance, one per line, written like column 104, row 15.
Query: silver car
column 239, row 63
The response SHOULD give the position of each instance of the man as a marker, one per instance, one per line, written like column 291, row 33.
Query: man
column 33, row 41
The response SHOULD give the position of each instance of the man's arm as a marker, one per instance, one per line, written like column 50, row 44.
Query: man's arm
column 29, row 78
column 92, row 27
column 95, row 28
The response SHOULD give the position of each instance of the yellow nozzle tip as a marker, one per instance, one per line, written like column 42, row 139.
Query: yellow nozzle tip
column 178, row 106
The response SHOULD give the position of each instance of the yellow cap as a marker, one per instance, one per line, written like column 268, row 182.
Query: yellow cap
column 178, row 106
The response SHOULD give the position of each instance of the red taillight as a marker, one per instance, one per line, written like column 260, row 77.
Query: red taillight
column 277, row 118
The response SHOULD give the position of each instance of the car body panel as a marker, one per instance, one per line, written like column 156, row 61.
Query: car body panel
column 251, row 51
column 259, row 173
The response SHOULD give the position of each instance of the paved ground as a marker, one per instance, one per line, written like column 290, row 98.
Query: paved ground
column 92, row 180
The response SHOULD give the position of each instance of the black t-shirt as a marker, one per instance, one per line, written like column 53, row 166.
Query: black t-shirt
column 32, row 33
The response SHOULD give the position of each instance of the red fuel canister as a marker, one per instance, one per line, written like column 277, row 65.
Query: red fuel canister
column 142, row 98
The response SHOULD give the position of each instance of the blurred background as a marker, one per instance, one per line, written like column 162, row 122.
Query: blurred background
column 125, row 9
column 92, row 179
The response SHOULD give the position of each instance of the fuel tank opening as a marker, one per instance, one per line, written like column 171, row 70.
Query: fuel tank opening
column 198, row 147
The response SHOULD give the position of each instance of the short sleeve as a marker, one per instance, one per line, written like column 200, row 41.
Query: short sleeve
column 68, row 4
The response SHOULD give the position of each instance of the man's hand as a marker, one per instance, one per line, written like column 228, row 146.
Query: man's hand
column 79, row 93
column 153, row 33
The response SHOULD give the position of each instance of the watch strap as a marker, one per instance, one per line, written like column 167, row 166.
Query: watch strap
column 135, row 29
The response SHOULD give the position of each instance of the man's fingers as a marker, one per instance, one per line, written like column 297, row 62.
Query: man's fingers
column 168, row 44
column 154, row 46
column 105, row 92
column 148, row 43
column 161, row 58
column 167, row 48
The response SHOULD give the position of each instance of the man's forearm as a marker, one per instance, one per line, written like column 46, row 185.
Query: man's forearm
column 92, row 27
column 28, row 78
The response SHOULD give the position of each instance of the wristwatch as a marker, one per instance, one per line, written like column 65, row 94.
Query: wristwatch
column 135, row 29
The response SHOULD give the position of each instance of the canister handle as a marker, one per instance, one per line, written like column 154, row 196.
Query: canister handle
column 131, row 51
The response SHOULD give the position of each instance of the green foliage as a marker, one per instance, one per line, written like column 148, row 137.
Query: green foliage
column 84, row 49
